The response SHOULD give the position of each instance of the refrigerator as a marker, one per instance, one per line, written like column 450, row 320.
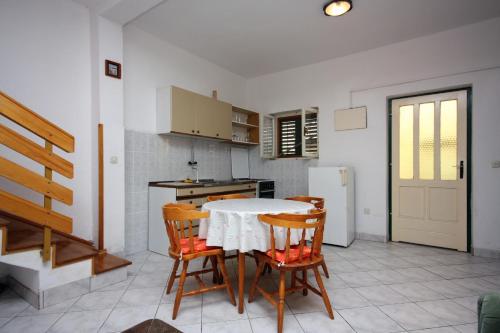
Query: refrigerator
column 336, row 186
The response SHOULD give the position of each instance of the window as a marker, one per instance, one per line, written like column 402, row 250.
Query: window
column 290, row 134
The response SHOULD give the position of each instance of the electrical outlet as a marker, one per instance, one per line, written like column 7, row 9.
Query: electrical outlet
column 495, row 164
column 113, row 160
column 366, row 211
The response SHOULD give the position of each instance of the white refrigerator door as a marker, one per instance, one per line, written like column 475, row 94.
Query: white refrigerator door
column 328, row 183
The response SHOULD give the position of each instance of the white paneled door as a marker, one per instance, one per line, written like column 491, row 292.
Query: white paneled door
column 429, row 171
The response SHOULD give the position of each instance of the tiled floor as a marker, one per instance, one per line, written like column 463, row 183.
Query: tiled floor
column 374, row 287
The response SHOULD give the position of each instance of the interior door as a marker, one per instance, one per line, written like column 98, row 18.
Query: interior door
column 429, row 171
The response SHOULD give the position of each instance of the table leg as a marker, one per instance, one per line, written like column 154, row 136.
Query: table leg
column 241, row 281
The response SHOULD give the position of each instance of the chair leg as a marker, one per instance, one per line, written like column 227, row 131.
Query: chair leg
column 205, row 262
column 258, row 273
column 324, row 294
column 325, row 269
column 304, row 277
column 227, row 281
column 215, row 277
column 171, row 279
column 180, row 289
column 281, row 304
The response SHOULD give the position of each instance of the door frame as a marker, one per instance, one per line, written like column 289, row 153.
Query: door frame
column 468, row 90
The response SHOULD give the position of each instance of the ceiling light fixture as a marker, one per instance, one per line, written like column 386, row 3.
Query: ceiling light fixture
column 337, row 7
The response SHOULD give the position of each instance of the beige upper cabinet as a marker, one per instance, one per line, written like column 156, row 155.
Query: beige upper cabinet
column 185, row 112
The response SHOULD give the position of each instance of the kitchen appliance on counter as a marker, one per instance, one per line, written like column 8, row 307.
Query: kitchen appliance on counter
column 336, row 186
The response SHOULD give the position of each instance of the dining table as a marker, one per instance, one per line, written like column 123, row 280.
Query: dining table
column 234, row 225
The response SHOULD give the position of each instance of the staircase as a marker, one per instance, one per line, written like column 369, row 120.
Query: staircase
column 40, row 259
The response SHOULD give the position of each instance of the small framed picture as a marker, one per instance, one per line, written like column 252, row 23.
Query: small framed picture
column 113, row 69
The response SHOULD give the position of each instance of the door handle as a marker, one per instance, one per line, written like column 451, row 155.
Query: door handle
column 461, row 169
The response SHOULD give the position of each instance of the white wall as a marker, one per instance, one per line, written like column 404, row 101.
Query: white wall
column 369, row 78
column 45, row 64
column 152, row 63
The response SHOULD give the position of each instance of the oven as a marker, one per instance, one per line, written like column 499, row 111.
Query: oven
column 265, row 189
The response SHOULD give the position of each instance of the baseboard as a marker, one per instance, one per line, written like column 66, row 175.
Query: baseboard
column 371, row 237
column 488, row 253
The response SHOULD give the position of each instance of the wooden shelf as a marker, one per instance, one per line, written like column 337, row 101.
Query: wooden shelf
column 246, row 126
column 235, row 123
column 245, row 143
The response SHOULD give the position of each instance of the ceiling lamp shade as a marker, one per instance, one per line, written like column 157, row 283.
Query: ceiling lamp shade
column 337, row 7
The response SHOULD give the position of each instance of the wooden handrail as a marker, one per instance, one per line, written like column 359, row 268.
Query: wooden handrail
column 44, row 184
column 25, row 209
column 35, row 152
column 34, row 181
column 33, row 122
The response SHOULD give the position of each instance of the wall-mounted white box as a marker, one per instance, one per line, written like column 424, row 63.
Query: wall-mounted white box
column 349, row 119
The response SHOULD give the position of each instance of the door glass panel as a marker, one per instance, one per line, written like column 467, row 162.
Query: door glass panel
column 406, row 142
column 426, row 141
column 448, row 140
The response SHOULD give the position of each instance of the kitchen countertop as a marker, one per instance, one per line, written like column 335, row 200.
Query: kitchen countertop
column 202, row 183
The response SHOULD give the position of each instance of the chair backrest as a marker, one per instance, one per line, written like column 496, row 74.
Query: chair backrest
column 316, row 201
column 227, row 197
column 176, row 219
column 314, row 220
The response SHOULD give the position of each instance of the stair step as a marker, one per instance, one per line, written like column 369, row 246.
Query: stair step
column 106, row 262
column 24, row 236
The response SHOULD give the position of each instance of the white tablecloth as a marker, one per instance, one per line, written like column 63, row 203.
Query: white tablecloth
column 234, row 224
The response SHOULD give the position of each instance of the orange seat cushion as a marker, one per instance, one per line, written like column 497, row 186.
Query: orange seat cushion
column 293, row 255
column 199, row 245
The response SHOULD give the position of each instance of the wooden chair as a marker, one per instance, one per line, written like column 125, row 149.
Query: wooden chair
column 224, row 197
column 227, row 197
column 319, row 203
column 297, row 258
column 188, row 247
column 316, row 201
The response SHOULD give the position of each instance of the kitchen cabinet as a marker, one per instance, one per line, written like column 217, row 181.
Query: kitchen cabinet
column 180, row 111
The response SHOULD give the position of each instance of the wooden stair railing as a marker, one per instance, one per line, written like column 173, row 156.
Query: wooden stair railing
column 43, row 184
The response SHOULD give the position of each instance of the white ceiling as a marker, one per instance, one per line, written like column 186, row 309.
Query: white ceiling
column 120, row 11
column 256, row 37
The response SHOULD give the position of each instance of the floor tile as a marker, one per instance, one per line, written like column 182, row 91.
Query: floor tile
column 30, row 324
column 368, row 264
column 415, row 291
column 468, row 328
column 347, row 298
column 467, row 302
column 412, row 317
column 150, row 280
column 303, row 304
column 261, row 307
column 342, row 267
column 477, row 285
column 221, row 311
column 140, row 297
column 100, row 300
column 193, row 328
column 370, row 319
column 334, row 282
column 318, row 322
column 11, row 304
column 393, row 262
column 418, row 274
column 495, row 279
column 81, row 322
column 352, row 255
column 381, row 295
column 448, row 272
column 445, row 329
column 123, row 318
column 57, row 308
column 451, row 312
column 359, row 279
column 389, row 276
column 118, row 286
column 448, row 288
column 240, row 326
column 270, row 325
column 189, row 313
